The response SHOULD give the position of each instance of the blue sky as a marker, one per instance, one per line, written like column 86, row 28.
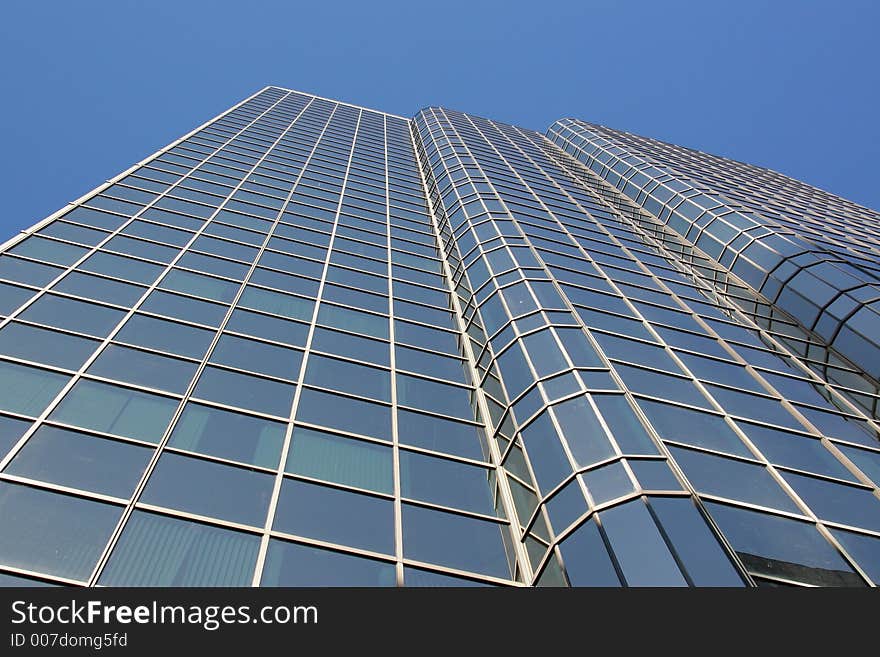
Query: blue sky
column 92, row 87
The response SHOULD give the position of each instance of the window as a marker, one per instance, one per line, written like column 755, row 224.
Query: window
column 434, row 396
column 55, row 534
column 209, row 489
column 79, row 460
column 28, row 390
column 100, row 289
column 163, row 335
column 586, row 559
column 340, row 460
column 185, row 308
column 143, row 368
column 245, row 391
column 267, row 327
column 44, row 346
column 445, row 482
column 156, row 550
column 344, row 413
column 258, row 357
column 349, row 377
column 73, row 315
column 229, row 435
column 199, row 285
column 440, row 434
column 693, row 427
column 449, row 539
column 292, row 564
column 114, row 409
column 335, row 515
column 584, row 434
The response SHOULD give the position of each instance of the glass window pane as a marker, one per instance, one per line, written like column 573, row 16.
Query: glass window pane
column 78, row 460
column 737, row 480
column 185, row 308
column 100, row 289
column 209, row 489
column 277, row 303
column 353, row 346
column 39, row 248
column 199, row 285
column 608, row 482
column 26, row 271
column 336, row 516
column 641, row 552
column 163, row 335
column 585, row 436
column 12, row 296
column 445, row 482
column 419, row 577
column 113, row 409
column 794, row 450
column 837, row 502
column 73, row 315
column 156, row 550
column 245, row 391
column 661, row 385
column 270, row 328
column 229, row 435
column 344, row 413
column 693, row 427
column 28, row 390
column 586, row 558
column 865, row 549
column 51, row 533
column 696, row 545
column 45, row 346
column 452, row 540
column 432, row 364
column 292, row 564
column 434, row 396
column 257, row 357
column 143, row 368
column 626, row 428
column 353, row 320
column 349, row 377
column 118, row 266
column 439, row 434
column 782, row 547
column 11, row 430
column 340, row 460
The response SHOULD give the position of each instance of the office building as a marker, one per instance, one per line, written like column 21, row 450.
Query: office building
column 311, row 343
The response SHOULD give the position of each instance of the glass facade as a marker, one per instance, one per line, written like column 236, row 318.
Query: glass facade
column 313, row 344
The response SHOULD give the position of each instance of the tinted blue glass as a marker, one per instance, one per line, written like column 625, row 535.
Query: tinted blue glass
column 292, row 564
column 73, row 315
column 582, row 431
column 144, row 368
column 268, row 327
column 45, row 346
column 586, row 558
column 335, row 515
column 78, row 460
column 257, row 357
column 100, row 289
column 345, row 413
column 439, row 434
column 445, row 482
column 163, row 335
column 245, row 391
column 28, row 390
column 51, row 533
column 837, row 502
column 452, row 540
column 11, row 430
column 209, row 489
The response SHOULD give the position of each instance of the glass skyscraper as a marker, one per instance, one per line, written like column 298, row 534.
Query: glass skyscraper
column 311, row 343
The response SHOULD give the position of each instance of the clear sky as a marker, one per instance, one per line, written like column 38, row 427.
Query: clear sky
column 92, row 87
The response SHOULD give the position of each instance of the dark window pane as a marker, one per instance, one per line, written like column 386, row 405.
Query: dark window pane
column 643, row 556
column 277, row 303
column 118, row 266
column 734, row 479
column 257, row 356
column 58, row 253
column 78, row 460
column 143, row 368
column 209, row 489
column 45, row 346
column 626, row 428
column 51, row 533
column 434, row 396
column 353, row 346
column 865, row 549
column 794, row 450
column 11, row 430
column 292, row 564
column 25, row 271
column 349, row 377
column 167, row 336
column 426, row 578
column 73, row 315
column 335, row 515
column 12, row 296
column 586, row 559
column 696, row 545
column 100, row 289
column 185, row 308
column 445, row 482
column 439, row 434
column 582, row 431
column 229, row 435
column 837, row 502
column 199, row 285
column 245, row 391
column 693, row 427
column 452, row 540
column 344, row 413
column 661, row 385
column 270, row 328
column 156, row 550
column 782, row 547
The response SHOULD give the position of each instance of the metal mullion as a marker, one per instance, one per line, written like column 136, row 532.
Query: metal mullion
column 285, row 448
